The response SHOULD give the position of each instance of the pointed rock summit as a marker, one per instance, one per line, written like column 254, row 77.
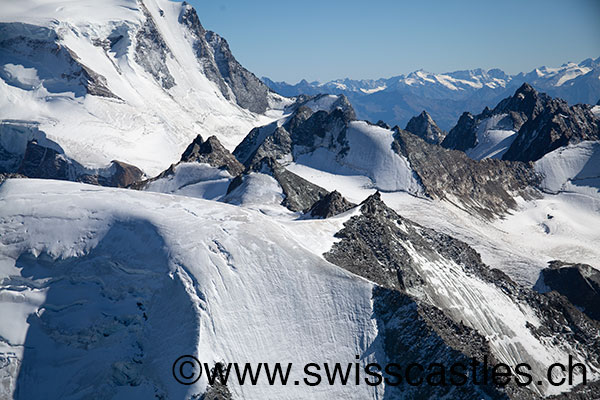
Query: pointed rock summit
column 332, row 204
column 526, row 101
column 234, row 81
column 542, row 123
column 425, row 127
column 213, row 153
column 464, row 135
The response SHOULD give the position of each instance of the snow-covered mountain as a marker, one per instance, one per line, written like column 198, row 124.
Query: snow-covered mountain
column 121, row 80
column 524, row 127
column 447, row 95
column 244, row 226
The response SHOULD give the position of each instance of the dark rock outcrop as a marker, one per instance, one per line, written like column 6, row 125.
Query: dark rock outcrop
column 580, row 283
column 4, row 177
column 382, row 124
column 464, row 135
column 303, row 132
column 543, row 124
column 220, row 66
column 209, row 151
column 218, row 390
column 275, row 146
column 213, row 153
column 551, row 124
column 124, row 175
column 300, row 194
column 487, row 186
column 332, row 204
column 46, row 163
column 425, row 127
column 151, row 51
column 379, row 245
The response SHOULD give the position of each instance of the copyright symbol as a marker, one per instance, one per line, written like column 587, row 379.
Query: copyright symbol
column 187, row 370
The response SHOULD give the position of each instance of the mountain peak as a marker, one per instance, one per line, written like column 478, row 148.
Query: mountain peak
column 526, row 101
column 213, row 153
column 332, row 204
column 526, row 88
column 425, row 127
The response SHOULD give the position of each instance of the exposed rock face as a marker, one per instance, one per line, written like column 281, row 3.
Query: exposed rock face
column 125, row 174
column 382, row 124
column 4, row 177
column 20, row 40
column 542, row 123
column 414, row 333
column 332, row 204
column 46, row 163
column 300, row 194
column 487, row 186
column 220, row 66
column 218, row 390
column 305, row 131
column 276, row 146
column 425, row 127
column 464, row 135
column 209, row 151
column 552, row 126
column 151, row 51
column 390, row 250
column 213, row 153
column 580, row 283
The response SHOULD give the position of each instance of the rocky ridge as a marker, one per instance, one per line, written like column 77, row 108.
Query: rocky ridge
column 220, row 66
column 382, row 246
column 541, row 123
column 425, row 127
column 487, row 186
column 331, row 204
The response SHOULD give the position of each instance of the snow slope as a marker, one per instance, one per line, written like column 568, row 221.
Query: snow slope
column 95, row 285
column 520, row 244
column 156, row 97
column 493, row 138
column 369, row 154
column 109, row 288
column 193, row 180
column 574, row 168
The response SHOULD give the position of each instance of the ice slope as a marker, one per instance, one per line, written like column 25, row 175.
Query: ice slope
column 369, row 153
column 144, row 123
column 493, row 139
column 487, row 309
column 105, row 288
column 193, row 180
column 520, row 244
column 574, row 168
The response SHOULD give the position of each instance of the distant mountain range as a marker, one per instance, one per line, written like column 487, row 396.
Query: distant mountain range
column 446, row 96
column 244, row 226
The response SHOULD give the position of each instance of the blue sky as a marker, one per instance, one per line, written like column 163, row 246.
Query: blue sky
column 328, row 39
